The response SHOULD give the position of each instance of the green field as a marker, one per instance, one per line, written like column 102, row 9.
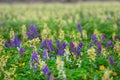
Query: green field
column 77, row 41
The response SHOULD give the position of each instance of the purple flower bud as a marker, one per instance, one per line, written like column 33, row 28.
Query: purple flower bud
column 79, row 27
column 45, row 54
column 99, row 47
column 72, row 47
column 80, row 45
column 64, row 45
column 110, row 44
column 44, row 42
column 58, row 43
column 34, row 60
column 7, row 44
column 32, row 33
column 21, row 51
column 45, row 70
column 116, row 37
column 103, row 37
column 111, row 60
column 50, row 45
column 93, row 37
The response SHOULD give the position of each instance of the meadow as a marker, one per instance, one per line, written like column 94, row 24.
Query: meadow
column 53, row 41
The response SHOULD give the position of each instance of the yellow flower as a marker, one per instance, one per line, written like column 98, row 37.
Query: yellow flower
column 102, row 67
column 115, row 74
column 22, row 64
column 91, row 54
column 74, row 57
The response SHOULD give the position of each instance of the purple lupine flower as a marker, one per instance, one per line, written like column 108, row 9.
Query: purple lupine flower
column 50, row 45
column 14, row 43
column 7, row 44
column 45, row 54
column 90, row 45
column 103, row 37
column 21, row 51
column 99, row 47
column 93, row 37
column 46, row 71
column 78, row 49
column 80, row 45
column 64, row 45
column 116, row 37
column 32, row 33
column 111, row 60
column 60, row 47
column 72, row 47
column 110, row 44
column 60, row 52
column 44, row 42
column 34, row 60
column 58, row 43
column 79, row 27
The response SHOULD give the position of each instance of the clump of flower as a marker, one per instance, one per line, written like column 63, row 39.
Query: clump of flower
column 111, row 60
column 106, row 75
column 117, row 47
column 97, row 33
column 12, row 34
column 34, row 42
column 45, row 32
column 32, row 32
column 60, row 68
column 93, row 40
column 45, row 54
column 1, row 44
column 84, row 34
column 24, row 31
column 99, row 47
column 60, row 47
column 13, row 43
column 91, row 54
column 48, row 44
column 75, row 50
column 110, row 44
column 61, row 33
column 34, row 61
column 80, row 29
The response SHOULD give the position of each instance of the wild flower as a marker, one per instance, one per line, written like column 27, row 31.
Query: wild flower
column 46, row 71
column 111, row 60
column 117, row 47
column 91, row 54
column 106, row 75
column 21, row 51
column 13, row 43
column 101, row 67
column 60, row 47
column 110, row 44
column 32, row 32
column 34, row 61
column 45, row 32
column 12, row 34
column 103, row 37
column 116, row 37
column 45, row 54
column 48, row 44
column 60, row 68
column 24, row 31
column 75, row 50
column 1, row 44
column 99, row 47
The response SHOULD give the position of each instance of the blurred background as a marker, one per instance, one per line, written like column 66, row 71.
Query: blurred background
column 29, row 1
